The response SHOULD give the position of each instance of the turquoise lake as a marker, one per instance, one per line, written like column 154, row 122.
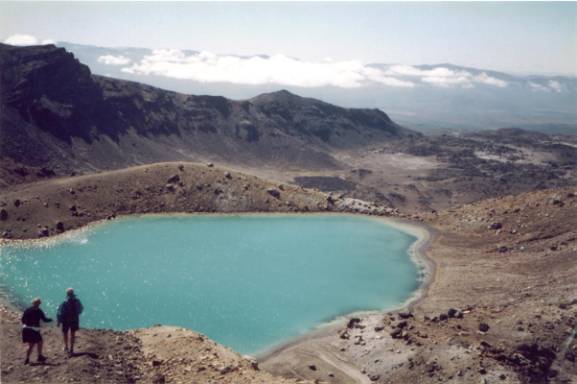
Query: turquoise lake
column 249, row 282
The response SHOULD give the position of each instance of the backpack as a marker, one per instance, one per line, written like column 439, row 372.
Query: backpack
column 69, row 310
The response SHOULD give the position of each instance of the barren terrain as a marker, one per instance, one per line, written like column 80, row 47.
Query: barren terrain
column 501, row 305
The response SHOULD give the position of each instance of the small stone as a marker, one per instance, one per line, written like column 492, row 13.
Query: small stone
column 353, row 323
column 173, row 179
column 405, row 315
column 496, row 226
column 273, row 192
column 3, row 215
column 484, row 327
column 313, row 367
column 17, row 203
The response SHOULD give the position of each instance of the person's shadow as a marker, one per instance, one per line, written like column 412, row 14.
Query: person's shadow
column 92, row 355
column 44, row 363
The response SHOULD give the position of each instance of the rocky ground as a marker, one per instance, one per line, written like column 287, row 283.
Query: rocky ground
column 154, row 355
column 500, row 308
column 421, row 174
column 53, row 206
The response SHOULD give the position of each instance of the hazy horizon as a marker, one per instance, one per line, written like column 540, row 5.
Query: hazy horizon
column 518, row 38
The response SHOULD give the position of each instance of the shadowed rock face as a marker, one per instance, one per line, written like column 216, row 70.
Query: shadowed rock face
column 55, row 112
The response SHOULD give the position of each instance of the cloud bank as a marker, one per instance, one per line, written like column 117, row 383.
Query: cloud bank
column 113, row 60
column 208, row 67
column 549, row 86
column 23, row 39
column 445, row 77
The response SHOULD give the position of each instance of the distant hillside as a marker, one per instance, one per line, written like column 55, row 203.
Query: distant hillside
column 55, row 113
column 430, row 98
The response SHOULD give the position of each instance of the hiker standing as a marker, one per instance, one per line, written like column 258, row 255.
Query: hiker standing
column 69, row 317
column 31, row 329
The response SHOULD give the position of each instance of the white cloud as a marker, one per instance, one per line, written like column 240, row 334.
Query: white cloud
column 444, row 77
column 550, row 86
column 208, row 67
column 448, row 81
column 538, row 87
column 113, row 60
column 555, row 86
column 23, row 39
column 483, row 78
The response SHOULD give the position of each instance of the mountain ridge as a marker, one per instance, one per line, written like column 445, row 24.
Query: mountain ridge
column 54, row 104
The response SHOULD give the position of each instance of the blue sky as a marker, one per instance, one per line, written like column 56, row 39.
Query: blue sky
column 516, row 37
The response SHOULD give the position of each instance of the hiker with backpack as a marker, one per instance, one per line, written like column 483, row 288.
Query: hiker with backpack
column 69, row 317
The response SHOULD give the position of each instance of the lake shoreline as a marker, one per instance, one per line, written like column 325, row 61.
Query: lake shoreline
column 421, row 232
column 424, row 235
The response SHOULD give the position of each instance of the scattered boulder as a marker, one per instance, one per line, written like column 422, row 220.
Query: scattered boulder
column 397, row 333
column 496, row 226
column 173, row 179
column 353, row 323
column 345, row 335
column 454, row 313
column 227, row 175
column 313, row 367
column 17, row 203
column 170, row 187
column 60, row 226
column 273, row 192
column 405, row 315
column 402, row 324
column 484, row 327
column 3, row 215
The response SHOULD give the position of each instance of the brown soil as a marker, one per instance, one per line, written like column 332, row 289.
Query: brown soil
column 53, row 206
column 519, row 280
column 154, row 355
column 508, row 263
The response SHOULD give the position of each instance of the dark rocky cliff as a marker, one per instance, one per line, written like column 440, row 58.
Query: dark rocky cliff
column 56, row 113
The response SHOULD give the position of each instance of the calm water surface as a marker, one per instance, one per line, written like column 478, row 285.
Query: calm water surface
column 248, row 282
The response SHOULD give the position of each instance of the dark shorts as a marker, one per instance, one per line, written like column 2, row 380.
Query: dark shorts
column 29, row 335
column 72, row 325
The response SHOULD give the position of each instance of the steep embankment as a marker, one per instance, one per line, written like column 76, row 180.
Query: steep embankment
column 55, row 113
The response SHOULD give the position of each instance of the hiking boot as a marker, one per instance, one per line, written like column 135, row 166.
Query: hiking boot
column 41, row 358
